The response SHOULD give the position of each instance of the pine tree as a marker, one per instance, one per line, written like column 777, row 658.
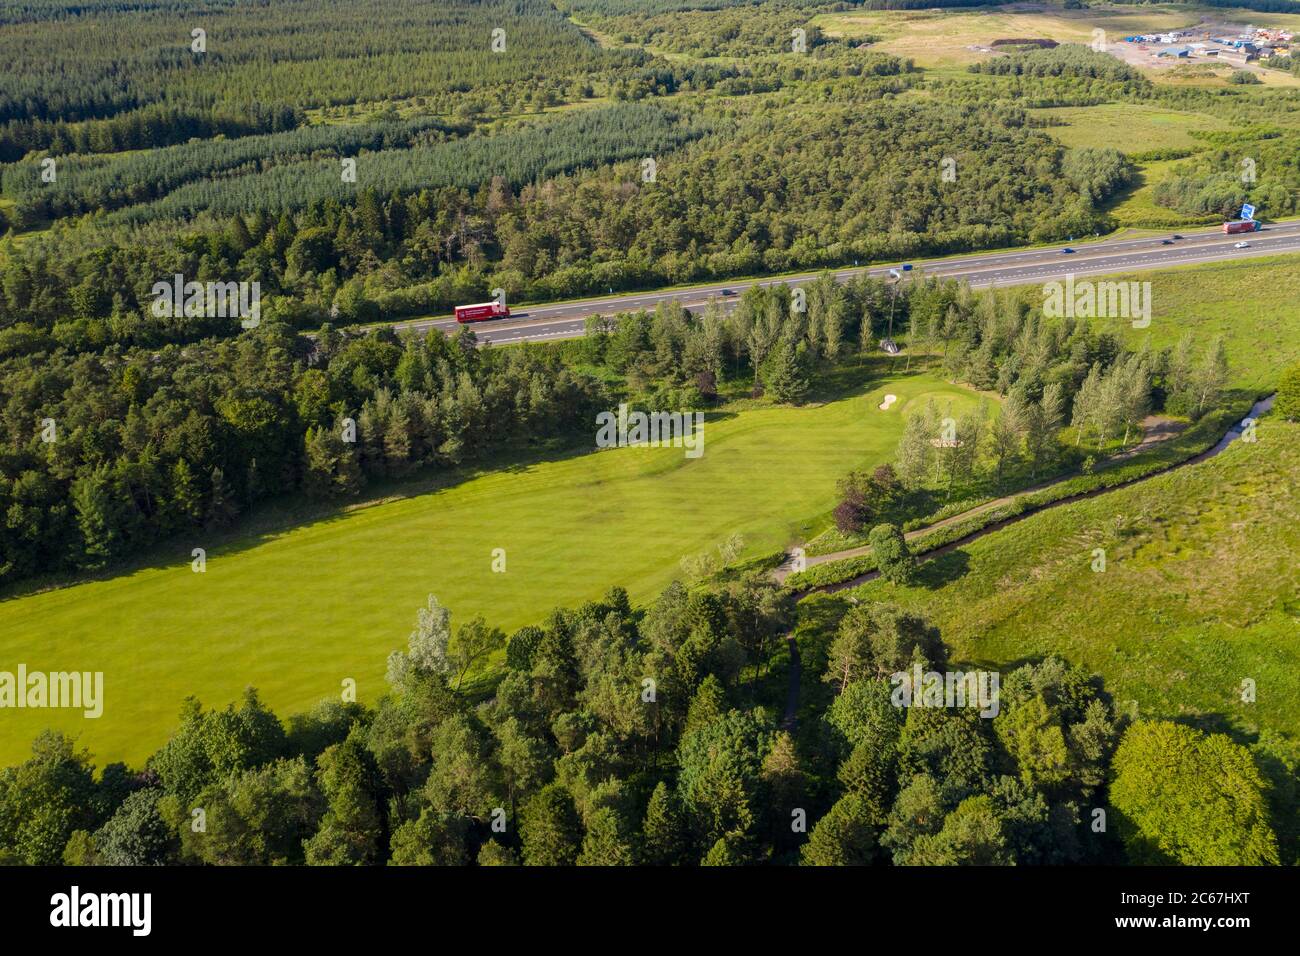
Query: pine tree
column 411, row 369
column 550, row 828
column 892, row 554
column 785, row 785
column 664, row 831
column 222, row 507
column 1039, row 438
column 915, row 450
column 759, row 339
column 350, row 830
column 833, row 331
column 708, row 705
column 253, row 481
column 1135, row 392
column 844, row 837
column 1053, row 406
column 1087, row 403
column 330, row 464
column 960, row 460
column 870, row 773
column 849, row 658
column 497, row 854
column 786, row 378
column 185, row 506
column 1005, row 441
column 606, row 842
column 238, row 234
column 1179, row 393
column 370, row 219
column 97, row 518
column 729, row 850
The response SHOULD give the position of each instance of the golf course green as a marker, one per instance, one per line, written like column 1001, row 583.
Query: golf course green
column 296, row 612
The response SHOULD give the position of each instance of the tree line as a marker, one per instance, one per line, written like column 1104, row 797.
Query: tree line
column 620, row 736
column 1067, row 59
column 148, row 127
column 87, row 183
column 522, row 155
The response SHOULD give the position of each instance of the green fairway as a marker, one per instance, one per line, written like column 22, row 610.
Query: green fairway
column 297, row 612
column 1200, row 592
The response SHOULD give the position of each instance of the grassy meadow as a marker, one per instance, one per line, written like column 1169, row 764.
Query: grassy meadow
column 1253, row 303
column 1128, row 127
column 1201, row 589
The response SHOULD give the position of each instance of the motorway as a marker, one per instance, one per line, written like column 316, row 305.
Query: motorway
column 540, row 323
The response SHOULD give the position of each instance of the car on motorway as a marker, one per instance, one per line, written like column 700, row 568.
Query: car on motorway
column 728, row 291
column 1175, row 236
column 1241, row 245
column 906, row 267
column 1166, row 242
column 1067, row 251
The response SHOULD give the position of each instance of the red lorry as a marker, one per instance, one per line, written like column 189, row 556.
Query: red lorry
column 1240, row 225
column 481, row 312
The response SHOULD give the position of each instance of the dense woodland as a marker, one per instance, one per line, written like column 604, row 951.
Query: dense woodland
column 113, row 58
column 618, row 737
column 735, row 31
column 91, row 182
column 1214, row 181
column 772, row 163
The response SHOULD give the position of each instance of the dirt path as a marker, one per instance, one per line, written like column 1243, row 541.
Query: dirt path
column 1155, row 428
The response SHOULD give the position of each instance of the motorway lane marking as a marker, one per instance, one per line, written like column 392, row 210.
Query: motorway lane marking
column 1104, row 270
column 1101, row 257
column 990, row 262
column 1190, row 255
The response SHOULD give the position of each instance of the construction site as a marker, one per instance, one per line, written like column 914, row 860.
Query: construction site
column 1236, row 45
